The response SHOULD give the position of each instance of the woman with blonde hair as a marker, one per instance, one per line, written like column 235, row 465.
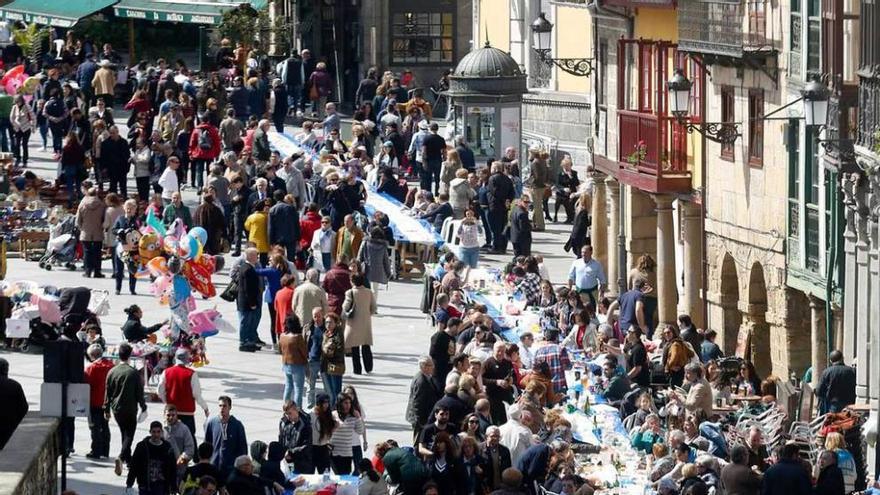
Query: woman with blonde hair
column 646, row 269
column 448, row 169
column 836, row 443
column 359, row 137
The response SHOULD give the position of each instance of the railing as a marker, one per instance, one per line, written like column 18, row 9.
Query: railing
column 641, row 3
column 794, row 246
column 812, row 235
column 651, row 144
column 869, row 112
column 718, row 27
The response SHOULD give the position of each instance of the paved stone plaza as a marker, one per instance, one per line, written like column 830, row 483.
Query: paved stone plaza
column 255, row 381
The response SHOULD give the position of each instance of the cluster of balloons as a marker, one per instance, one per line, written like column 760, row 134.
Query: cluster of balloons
column 17, row 82
column 175, row 260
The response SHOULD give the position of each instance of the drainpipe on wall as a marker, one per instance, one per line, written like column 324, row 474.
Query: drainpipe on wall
column 831, row 263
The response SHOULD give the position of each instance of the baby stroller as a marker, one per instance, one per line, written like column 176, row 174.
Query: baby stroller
column 64, row 246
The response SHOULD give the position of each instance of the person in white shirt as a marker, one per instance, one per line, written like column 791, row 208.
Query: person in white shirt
column 168, row 180
column 515, row 433
column 526, row 354
column 322, row 245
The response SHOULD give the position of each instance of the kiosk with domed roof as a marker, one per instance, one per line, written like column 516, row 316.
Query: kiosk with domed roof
column 485, row 93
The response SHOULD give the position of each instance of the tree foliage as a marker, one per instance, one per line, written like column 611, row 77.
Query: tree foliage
column 255, row 29
column 30, row 38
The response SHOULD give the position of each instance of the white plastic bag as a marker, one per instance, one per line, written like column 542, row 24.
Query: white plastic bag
column 100, row 302
column 17, row 328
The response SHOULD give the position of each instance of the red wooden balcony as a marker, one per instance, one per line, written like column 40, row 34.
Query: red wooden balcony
column 652, row 153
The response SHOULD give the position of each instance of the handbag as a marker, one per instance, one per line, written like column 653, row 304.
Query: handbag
column 351, row 310
column 314, row 95
column 230, row 293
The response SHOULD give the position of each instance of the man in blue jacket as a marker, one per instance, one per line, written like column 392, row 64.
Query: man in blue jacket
column 226, row 434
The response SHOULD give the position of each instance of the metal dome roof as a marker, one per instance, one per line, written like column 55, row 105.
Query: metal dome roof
column 487, row 62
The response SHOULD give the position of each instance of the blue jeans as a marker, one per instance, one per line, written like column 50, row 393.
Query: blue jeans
column 357, row 454
column 197, row 173
column 333, row 386
column 295, row 97
column 294, row 376
column 73, row 184
column 314, row 372
column 470, row 256
column 249, row 320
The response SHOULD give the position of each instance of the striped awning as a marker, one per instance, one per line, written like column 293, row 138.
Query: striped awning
column 59, row 13
column 208, row 12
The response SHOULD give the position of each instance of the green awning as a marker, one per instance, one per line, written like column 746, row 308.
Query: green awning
column 60, row 13
column 191, row 12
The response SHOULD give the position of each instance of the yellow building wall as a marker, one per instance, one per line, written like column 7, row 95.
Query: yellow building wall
column 574, row 39
column 656, row 24
column 494, row 24
column 662, row 24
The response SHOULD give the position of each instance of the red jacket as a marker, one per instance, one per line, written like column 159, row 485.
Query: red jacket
column 283, row 304
column 178, row 388
column 197, row 153
column 96, row 377
column 309, row 223
column 336, row 282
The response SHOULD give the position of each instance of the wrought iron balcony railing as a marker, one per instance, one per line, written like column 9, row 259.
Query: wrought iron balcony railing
column 726, row 28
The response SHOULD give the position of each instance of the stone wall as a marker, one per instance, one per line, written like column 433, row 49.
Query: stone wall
column 29, row 462
column 565, row 117
column 861, row 304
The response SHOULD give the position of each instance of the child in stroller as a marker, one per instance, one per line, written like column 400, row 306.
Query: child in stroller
column 63, row 246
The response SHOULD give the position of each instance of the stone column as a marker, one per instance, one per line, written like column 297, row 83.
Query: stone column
column 613, row 229
column 818, row 337
column 692, row 234
column 667, row 293
column 599, row 229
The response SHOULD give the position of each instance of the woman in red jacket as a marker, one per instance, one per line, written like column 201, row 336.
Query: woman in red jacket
column 204, row 148
column 308, row 225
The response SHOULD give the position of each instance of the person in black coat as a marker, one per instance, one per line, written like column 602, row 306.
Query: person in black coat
column 422, row 396
column 295, row 435
column 567, row 182
column 439, row 214
column 133, row 330
column 239, row 195
column 450, row 401
column 521, row 228
column 15, row 405
column 494, row 454
column 830, row 480
column 153, row 464
column 114, row 163
column 249, row 302
column 837, row 386
column 280, row 107
column 500, row 193
column 788, row 476
column 284, row 224
column 580, row 232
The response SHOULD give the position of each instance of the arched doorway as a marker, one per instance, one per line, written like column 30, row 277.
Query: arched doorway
column 731, row 315
column 757, row 316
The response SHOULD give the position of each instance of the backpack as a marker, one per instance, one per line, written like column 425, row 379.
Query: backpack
column 205, row 141
column 678, row 356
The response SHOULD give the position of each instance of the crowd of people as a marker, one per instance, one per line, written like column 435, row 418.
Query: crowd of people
column 488, row 415
column 485, row 413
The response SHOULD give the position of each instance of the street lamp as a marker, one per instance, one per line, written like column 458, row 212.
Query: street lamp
column 815, row 96
column 541, row 38
column 679, row 89
column 541, row 30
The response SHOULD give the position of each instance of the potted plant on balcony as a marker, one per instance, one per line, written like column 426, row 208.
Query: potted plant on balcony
column 638, row 154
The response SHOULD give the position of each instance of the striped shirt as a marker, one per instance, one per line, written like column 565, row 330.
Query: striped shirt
column 346, row 433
